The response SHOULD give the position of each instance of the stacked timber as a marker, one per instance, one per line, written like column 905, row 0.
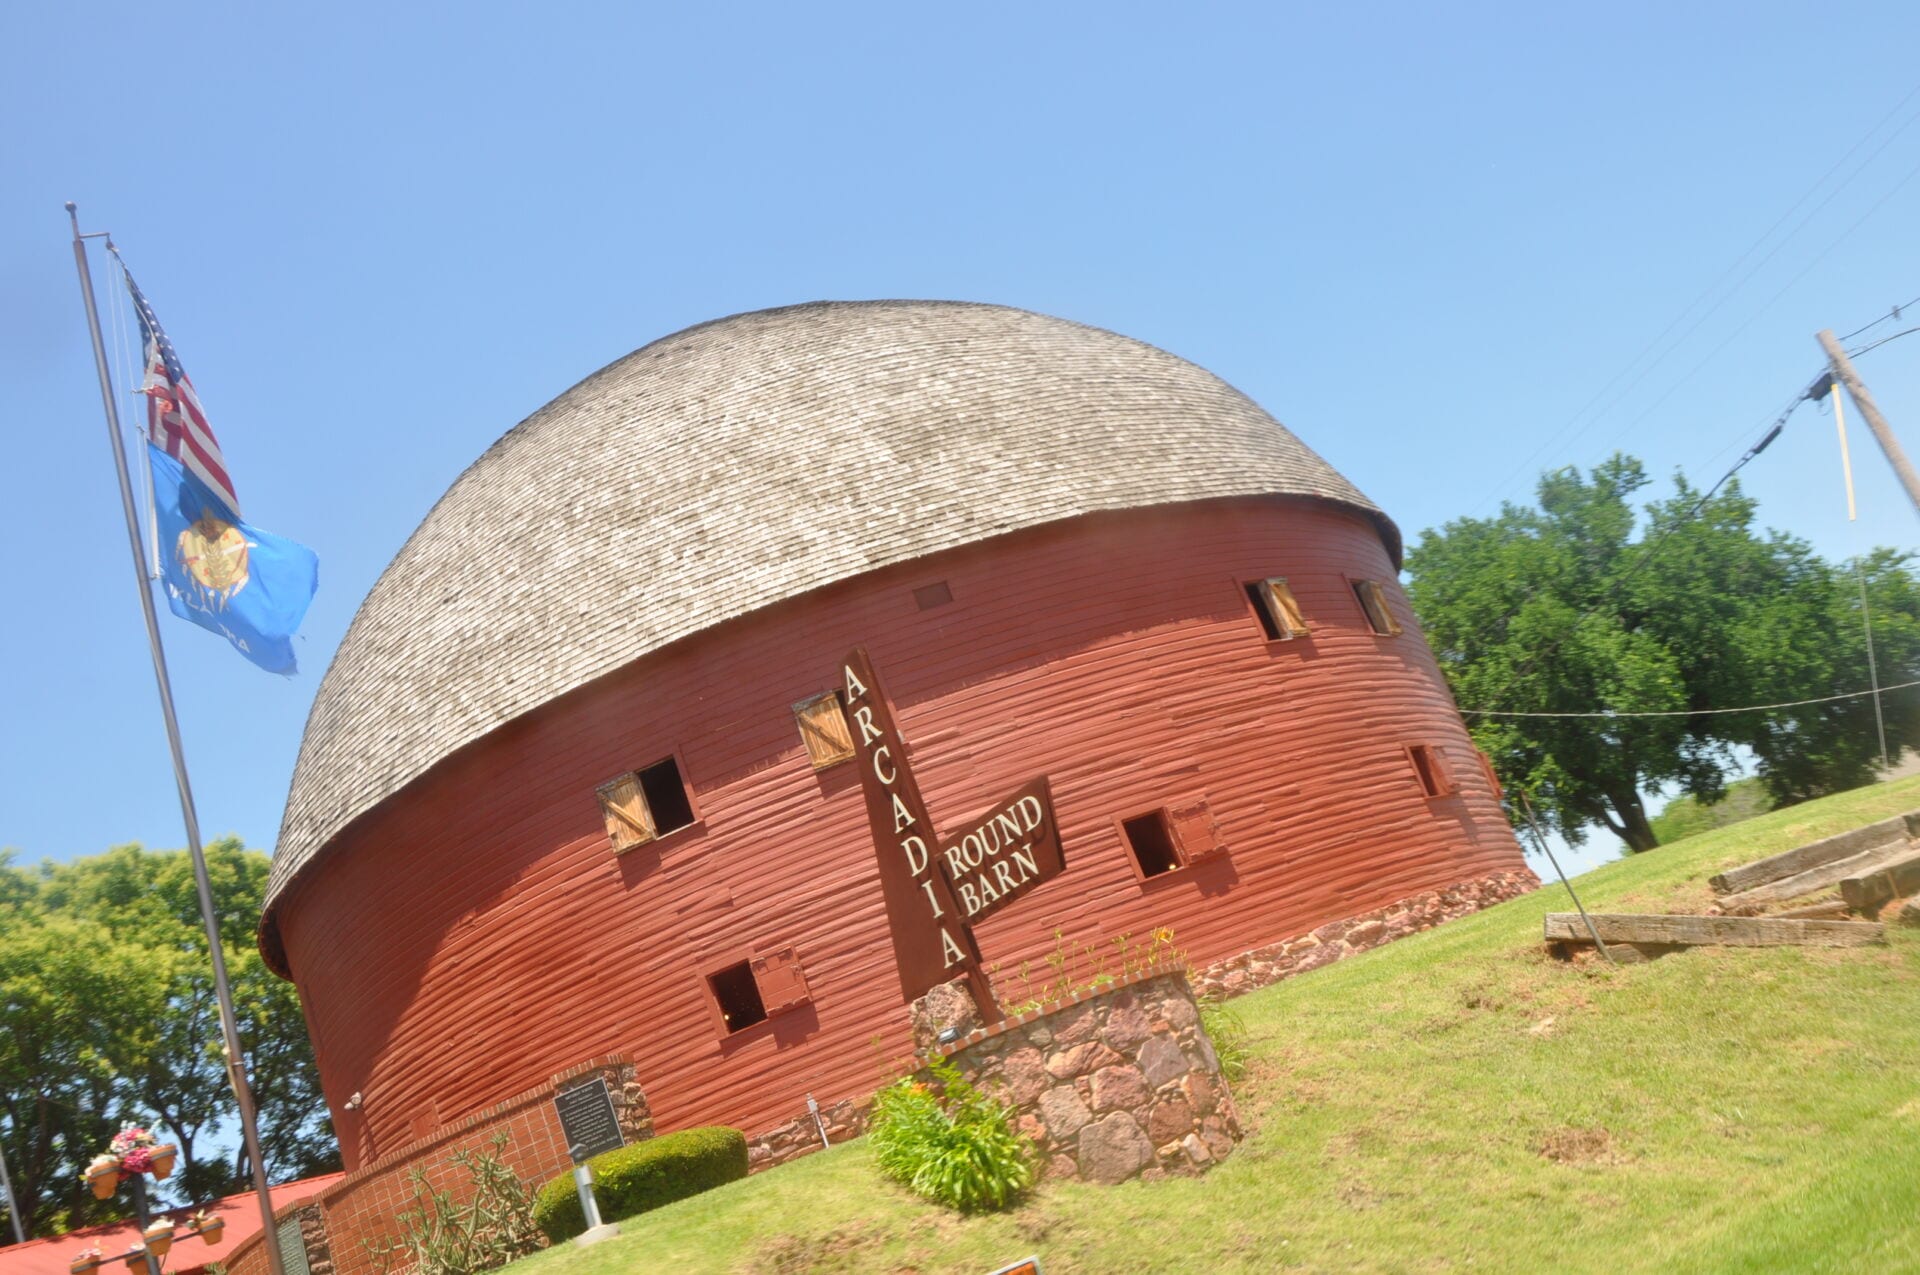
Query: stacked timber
column 1870, row 866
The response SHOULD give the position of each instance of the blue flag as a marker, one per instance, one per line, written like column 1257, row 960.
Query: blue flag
column 228, row 576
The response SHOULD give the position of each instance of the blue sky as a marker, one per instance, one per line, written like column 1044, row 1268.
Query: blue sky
column 1434, row 240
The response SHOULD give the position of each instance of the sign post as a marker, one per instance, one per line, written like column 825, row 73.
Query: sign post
column 936, row 891
column 590, row 1126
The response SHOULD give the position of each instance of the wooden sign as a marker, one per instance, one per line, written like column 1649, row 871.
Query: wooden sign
column 587, row 1120
column 935, row 891
column 1004, row 853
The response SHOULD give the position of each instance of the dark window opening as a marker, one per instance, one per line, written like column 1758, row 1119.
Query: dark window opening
column 1151, row 841
column 933, row 595
column 738, row 996
column 666, row 796
column 1267, row 626
column 1427, row 764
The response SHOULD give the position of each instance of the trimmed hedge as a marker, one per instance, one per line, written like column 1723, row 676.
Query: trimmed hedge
column 644, row 1176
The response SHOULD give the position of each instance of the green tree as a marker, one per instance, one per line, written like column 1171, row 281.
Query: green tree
column 1559, row 609
column 106, row 960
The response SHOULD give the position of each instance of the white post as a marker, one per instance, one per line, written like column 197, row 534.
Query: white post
column 590, row 1208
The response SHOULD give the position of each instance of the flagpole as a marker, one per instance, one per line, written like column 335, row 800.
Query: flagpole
column 236, row 1060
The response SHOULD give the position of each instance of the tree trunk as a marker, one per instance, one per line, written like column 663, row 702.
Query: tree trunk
column 1633, row 827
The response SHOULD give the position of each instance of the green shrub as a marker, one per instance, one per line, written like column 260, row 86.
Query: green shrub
column 950, row 1143
column 1228, row 1032
column 644, row 1176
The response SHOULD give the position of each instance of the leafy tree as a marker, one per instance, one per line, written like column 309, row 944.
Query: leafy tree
column 104, row 964
column 1560, row 610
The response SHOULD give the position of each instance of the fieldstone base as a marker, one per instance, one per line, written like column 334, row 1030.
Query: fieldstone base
column 800, row 1136
column 1339, row 939
column 1113, row 1084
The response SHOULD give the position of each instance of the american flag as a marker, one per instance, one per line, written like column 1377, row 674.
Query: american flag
column 175, row 421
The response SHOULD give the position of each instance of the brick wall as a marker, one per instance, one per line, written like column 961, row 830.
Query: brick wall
column 341, row 1223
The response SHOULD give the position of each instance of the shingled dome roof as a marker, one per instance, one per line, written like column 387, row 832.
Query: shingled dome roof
column 740, row 463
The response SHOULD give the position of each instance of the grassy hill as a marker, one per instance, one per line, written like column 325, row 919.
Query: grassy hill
column 1459, row 1101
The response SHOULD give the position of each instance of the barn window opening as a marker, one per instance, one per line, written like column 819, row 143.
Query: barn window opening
column 666, row 795
column 824, row 730
column 1151, row 840
column 1279, row 612
column 1431, row 767
column 929, row 596
column 1373, row 601
column 738, row 996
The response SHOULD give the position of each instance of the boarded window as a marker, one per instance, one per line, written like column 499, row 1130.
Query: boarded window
column 929, row 596
column 1150, row 837
column 782, row 983
column 824, row 730
column 1431, row 767
column 644, row 804
column 1373, row 600
column 1195, row 833
column 1279, row 612
column 738, row 996
column 628, row 823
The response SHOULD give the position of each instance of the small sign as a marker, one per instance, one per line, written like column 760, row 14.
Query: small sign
column 587, row 1120
column 1025, row 1266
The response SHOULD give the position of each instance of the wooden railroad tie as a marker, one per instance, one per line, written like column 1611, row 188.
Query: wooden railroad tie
column 1657, row 931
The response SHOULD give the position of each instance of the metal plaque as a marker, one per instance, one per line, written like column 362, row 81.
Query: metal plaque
column 587, row 1120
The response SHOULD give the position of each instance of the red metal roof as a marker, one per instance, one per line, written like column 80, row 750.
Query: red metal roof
column 51, row 1256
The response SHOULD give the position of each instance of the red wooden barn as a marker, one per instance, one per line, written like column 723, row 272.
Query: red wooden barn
column 572, row 789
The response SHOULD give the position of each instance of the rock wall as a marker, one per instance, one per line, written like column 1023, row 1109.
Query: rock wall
column 800, row 1136
column 1338, row 939
column 1113, row 1084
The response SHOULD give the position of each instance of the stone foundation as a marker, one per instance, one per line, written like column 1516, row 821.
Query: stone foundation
column 949, row 1009
column 844, row 1120
column 1337, row 940
column 1112, row 1084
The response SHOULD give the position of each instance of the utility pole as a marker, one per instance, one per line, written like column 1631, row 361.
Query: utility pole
column 1882, row 432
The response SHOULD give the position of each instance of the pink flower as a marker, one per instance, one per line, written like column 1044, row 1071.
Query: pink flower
column 138, row 1160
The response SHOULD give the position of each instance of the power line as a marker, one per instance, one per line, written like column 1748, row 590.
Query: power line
column 1854, row 354
column 1891, row 314
column 1554, row 439
column 1697, row 712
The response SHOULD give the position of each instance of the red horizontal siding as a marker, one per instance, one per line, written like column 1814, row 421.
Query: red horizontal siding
column 474, row 934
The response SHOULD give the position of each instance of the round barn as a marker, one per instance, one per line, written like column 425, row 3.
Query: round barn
column 581, row 783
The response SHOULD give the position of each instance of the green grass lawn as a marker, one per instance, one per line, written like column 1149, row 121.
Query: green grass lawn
column 1458, row 1100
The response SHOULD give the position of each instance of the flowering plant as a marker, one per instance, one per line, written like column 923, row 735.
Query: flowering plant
column 138, row 1160
column 130, row 1138
column 87, row 1255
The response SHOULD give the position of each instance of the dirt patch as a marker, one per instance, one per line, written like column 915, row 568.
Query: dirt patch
column 837, row 1250
column 1574, row 1145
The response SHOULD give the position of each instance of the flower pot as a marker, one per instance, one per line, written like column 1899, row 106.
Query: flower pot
column 137, row 1257
column 159, row 1238
column 211, row 1228
column 104, row 1179
column 81, row 1265
column 162, row 1163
